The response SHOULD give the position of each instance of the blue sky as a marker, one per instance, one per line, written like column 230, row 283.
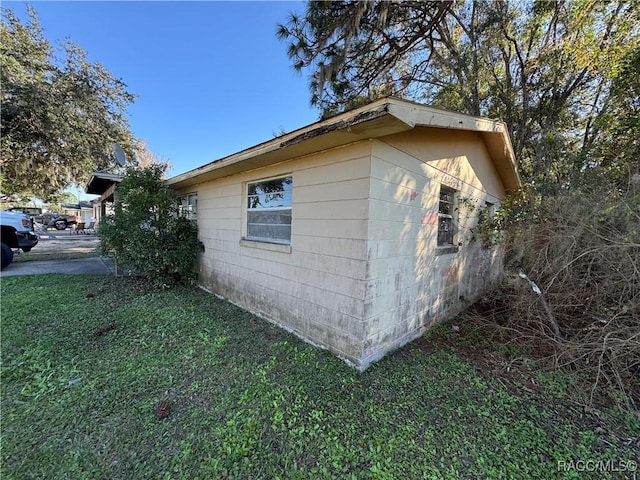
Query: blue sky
column 211, row 77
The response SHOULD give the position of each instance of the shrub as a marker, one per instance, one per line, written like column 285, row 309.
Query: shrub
column 582, row 249
column 145, row 233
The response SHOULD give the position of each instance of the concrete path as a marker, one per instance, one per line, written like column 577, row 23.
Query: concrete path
column 79, row 266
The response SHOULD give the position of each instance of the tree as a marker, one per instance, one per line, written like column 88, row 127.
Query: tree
column 60, row 115
column 145, row 233
column 146, row 158
column 357, row 50
column 564, row 76
column 615, row 148
column 543, row 67
column 63, row 197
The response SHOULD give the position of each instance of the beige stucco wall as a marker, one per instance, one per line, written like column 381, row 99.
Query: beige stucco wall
column 316, row 287
column 410, row 284
column 361, row 276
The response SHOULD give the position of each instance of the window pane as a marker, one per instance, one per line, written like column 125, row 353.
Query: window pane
column 445, row 208
column 269, row 225
column 446, row 195
column 188, row 206
column 269, row 233
column 277, row 217
column 270, row 194
column 445, row 231
column 490, row 209
column 269, row 210
column 446, row 211
column 446, row 201
column 193, row 202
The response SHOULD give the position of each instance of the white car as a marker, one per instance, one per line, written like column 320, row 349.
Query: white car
column 17, row 232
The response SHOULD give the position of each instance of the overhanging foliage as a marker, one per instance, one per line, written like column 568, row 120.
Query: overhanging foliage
column 60, row 115
column 545, row 68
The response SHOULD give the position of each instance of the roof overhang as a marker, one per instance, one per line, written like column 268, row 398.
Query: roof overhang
column 100, row 182
column 380, row 118
column 83, row 205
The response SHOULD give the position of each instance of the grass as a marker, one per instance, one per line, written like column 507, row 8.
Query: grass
column 86, row 359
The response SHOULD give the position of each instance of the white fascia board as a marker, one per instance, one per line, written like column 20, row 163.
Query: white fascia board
column 414, row 114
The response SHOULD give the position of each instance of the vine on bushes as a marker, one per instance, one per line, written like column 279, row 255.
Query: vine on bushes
column 145, row 233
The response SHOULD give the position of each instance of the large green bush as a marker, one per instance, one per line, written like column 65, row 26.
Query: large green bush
column 145, row 233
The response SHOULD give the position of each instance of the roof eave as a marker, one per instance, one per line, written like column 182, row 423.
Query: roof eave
column 97, row 180
column 498, row 144
column 494, row 134
column 383, row 117
column 356, row 125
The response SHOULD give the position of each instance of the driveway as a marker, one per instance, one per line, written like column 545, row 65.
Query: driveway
column 78, row 266
column 64, row 241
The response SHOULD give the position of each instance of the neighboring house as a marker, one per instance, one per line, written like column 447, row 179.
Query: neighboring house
column 103, row 184
column 82, row 210
column 355, row 232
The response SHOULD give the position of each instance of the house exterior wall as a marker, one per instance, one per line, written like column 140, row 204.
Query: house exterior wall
column 362, row 274
column 314, row 287
column 411, row 283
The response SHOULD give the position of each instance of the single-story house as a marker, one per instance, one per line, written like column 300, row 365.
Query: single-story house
column 355, row 232
column 82, row 210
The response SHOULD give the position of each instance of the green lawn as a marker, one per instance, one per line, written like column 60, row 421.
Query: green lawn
column 86, row 359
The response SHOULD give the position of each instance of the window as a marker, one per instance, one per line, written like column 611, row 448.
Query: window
column 269, row 210
column 445, row 217
column 490, row 209
column 29, row 211
column 188, row 206
column 485, row 213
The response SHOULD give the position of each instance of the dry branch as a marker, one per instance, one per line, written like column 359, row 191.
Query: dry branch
column 584, row 253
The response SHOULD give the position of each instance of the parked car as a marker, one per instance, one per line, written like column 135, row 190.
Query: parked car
column 16, row 232
column 57, row 220
column 49, row 219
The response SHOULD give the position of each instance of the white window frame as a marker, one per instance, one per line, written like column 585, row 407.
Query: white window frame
column 443, row 217
column 248, row 210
